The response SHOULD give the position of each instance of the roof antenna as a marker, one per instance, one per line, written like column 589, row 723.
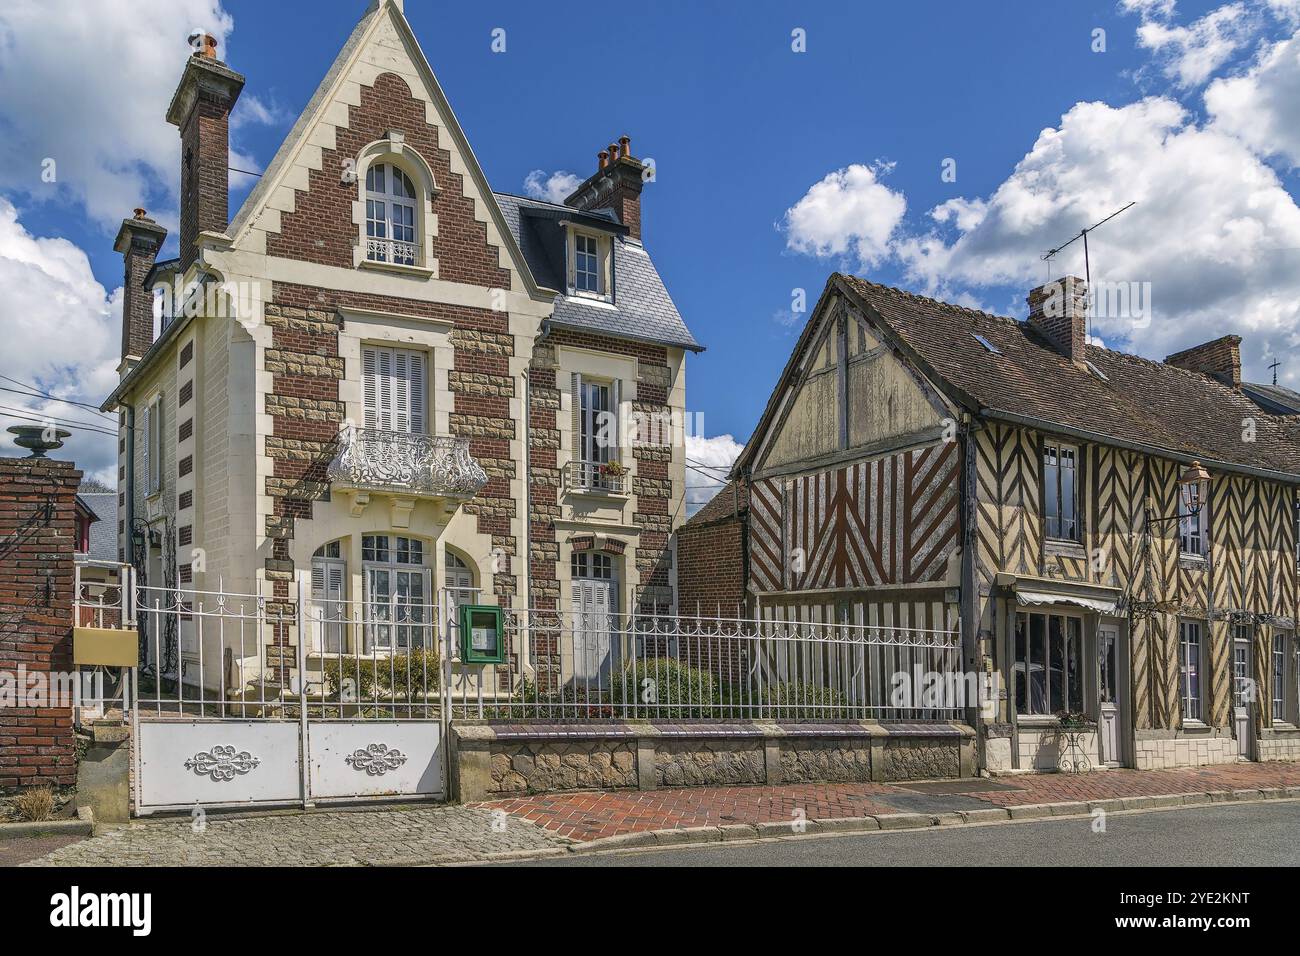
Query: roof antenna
column 1087, row 267
column 1274, row 367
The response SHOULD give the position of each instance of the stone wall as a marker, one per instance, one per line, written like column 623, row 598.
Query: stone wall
column 1163, row 750
column 489, row 761
column 1276, row 744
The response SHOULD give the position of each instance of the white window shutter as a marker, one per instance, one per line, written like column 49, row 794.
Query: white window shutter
column 616, row 409
column 416, row 372
column 401, row 391
column 579, row 452
column 369, row 375
column 146, row 430
column 384, row 380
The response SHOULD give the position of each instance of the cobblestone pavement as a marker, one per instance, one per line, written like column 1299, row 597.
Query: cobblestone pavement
column 591, row 816
column 16, row 850
column 392, row 836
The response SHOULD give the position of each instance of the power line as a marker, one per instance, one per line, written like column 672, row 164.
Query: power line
column 54, row 398
column 46, row 421
column 700, row 464
column 55, row 418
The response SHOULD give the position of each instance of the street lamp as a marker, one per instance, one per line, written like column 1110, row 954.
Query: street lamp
column 1193, row 489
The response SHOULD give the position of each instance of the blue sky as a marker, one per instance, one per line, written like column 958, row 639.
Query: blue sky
column 743, row 130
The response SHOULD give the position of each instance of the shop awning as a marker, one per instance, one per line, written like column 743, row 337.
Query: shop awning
column 1037, row 598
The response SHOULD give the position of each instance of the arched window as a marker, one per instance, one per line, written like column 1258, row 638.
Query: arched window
column 329, row 577
column 458, row 579
column 391, row 219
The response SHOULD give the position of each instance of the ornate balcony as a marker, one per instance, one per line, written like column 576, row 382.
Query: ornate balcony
column 405, row 466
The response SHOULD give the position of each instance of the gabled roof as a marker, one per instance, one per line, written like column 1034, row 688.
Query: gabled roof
column 1117, row 398
column 732, row 499
column 642, row 308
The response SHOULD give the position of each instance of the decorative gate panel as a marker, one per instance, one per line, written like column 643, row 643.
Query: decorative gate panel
column 216, row 763
column 375, row 758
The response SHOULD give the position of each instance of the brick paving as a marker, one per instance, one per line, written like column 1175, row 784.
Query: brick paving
column 591, row 816
column 392, row 836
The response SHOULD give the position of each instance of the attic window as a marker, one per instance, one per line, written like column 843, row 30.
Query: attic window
column 986, row 343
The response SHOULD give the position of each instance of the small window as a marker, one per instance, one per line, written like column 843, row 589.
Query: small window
column 589, row 564
column 586, row 264
column 152, row 450
column 1280, row 682
column 1189, row 668
column 1060, row 491
column 1191, row 524
column 391, row 216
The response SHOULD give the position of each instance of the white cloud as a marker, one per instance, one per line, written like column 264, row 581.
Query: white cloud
column 1262, row 106
column 1148, row 9
column 850, row 212
column 88, row 86
column 1190, row 55
column 718, row 453
column 556, row 187
column 1213, row 231
column 62, row 333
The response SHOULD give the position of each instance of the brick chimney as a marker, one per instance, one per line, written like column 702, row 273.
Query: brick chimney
column 616, row 184
column 1219, row 359
column 200, row 108
column 138, row 241
column 1059, row 310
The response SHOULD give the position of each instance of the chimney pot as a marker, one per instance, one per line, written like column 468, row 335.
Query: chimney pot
column 205, row 45
column 613, row 152
column 139, row 213
column 625, row 146
column 604, row 159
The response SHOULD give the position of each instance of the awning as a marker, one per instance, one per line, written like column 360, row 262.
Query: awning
column 1038, row 598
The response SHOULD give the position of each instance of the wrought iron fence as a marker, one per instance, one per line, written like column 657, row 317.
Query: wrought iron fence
column 418, row 464
column 394, row 251
column 245, row 657
column 595, row 476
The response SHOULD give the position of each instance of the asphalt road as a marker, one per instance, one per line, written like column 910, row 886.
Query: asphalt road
column 1251, row 834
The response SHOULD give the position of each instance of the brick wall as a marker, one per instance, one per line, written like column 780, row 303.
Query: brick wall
column 37, row 538
column 711, row 567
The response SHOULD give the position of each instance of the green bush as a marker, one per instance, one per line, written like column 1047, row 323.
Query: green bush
column 663, row 687
column 386, row 678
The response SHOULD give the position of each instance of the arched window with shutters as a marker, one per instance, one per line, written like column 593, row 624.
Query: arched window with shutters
column 329, row 576
column 392, row 216
column 395, row 389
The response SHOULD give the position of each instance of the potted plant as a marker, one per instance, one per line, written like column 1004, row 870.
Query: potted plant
column 1074, row 719
column 612, row 469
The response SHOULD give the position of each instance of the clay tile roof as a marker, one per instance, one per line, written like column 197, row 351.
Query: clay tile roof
column 732, row 497
column 1133, row 400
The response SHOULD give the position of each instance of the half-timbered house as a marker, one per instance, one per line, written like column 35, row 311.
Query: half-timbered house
column 921, row 464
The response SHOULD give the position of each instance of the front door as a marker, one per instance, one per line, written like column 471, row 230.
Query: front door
column 1243, row 692
column 1108, row 716
column 595, row 620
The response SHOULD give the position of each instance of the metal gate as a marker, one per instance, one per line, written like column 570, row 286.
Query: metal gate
column 243, row 699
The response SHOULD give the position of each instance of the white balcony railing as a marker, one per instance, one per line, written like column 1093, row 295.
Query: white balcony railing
column 603, row 476
column 426, row 465
column 394, row 252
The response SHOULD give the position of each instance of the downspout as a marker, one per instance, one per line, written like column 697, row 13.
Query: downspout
column 524, row 569
column 128, row 516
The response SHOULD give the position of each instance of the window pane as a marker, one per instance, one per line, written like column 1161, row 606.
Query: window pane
column 1037, row 664
column 1056, row 664
column 1074, row 658
column 1022, row 664
column 1051, row 491
column 1068, row 518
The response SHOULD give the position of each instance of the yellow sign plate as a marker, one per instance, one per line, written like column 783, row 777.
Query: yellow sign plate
column 106, row 646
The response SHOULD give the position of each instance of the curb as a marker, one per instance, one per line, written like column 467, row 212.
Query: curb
column 12, row 831
column 775, row 830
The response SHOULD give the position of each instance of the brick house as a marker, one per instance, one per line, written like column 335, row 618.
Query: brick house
column 382, row 374
column 920, row 463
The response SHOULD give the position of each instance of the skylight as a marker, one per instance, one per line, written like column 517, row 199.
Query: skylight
column 986, row 343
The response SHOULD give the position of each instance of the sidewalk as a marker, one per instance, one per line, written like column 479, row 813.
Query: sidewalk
column 596, row 816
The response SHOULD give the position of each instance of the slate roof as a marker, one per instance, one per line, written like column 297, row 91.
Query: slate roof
column 1276, row 399
column 103, row 533
column 642, row 308
column 1138, row 402
column 731, row 498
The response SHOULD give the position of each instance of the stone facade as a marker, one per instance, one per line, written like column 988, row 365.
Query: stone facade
column 543, row 766
column 1156, row 750
column 906, row 758
column 825, row 761
column 709, row 763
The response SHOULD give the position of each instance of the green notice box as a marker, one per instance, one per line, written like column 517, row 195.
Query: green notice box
column 482, row 635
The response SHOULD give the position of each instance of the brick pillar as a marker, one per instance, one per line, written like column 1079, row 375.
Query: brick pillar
column 37, row 538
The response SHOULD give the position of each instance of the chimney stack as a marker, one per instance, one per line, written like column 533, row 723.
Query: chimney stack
column 1219, row 359
column 138, row 241
column 615, row 185
column 200, row 109
column 1059, row 310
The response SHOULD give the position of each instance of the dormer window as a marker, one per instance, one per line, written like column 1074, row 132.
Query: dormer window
column 586, row 267
column 391, row 218
column 589, row 271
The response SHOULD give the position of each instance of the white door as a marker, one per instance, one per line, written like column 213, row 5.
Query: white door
column 1108, row 715
column 1243, row 694
column 594, row 606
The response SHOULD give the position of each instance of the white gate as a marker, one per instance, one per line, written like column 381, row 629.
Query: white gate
column 295, row 701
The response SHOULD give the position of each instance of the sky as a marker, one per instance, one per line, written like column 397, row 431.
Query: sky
column 941, row 147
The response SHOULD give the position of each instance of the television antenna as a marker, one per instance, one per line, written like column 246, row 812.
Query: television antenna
column 1275, row 366
column 1087, row 265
